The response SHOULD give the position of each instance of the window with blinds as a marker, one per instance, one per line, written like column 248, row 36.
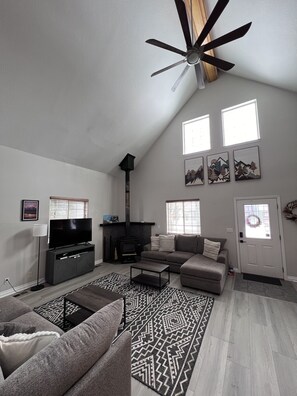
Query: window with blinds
column 68, row 208
column 183, row 217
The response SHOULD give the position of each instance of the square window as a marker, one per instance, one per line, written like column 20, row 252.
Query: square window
column 183, row 217
column 240, row 123
column 196, row 135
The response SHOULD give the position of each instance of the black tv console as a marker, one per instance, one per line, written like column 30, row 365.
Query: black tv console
column 69, row 262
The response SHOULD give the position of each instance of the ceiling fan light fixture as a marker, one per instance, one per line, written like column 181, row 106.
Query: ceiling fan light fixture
column 193, row 57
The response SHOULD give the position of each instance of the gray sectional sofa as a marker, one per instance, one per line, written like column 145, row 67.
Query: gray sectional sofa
column 83, row 361
column 196, row 270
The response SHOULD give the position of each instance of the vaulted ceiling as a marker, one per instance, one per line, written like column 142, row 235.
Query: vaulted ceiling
column 75, row 81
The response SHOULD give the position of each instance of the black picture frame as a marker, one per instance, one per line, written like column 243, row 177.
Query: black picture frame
column 247, row 163
column 194, row 171
column 30, row 210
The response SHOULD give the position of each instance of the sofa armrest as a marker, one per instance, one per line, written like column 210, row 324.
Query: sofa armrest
column 111, row 375
column 223, row 257
column 11, row 308
column 147, row 247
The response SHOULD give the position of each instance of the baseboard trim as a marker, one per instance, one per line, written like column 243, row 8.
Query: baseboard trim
column 98, row 262
column 292, row 278
column 19, row 289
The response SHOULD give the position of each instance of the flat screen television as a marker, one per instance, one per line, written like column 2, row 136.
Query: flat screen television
column 65, row 232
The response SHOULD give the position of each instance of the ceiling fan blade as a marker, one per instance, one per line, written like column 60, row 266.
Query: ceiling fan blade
column 168, row 67
column 231, row 36
column 220, row 63
column 200, row 75
column 160, row 44
column 182, row 13
column 176, row 84
column 214, row 16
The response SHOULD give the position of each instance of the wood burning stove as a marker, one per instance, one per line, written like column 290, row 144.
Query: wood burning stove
column 124, row 239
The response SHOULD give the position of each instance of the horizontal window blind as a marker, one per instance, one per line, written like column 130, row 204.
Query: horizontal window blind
column 183, row 217
column 68, row 208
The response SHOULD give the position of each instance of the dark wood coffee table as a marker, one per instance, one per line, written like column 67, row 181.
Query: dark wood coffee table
column 154, row 278
column 90, row 299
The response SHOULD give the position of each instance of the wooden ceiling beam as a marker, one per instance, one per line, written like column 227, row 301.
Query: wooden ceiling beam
column 199, row 20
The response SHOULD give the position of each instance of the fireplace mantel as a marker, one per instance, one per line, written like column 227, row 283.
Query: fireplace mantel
column 123, row 223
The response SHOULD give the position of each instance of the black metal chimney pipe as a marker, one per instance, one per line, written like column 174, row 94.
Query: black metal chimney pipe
column 127, row 165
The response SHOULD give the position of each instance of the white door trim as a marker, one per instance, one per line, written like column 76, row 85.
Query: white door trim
column 280, row 228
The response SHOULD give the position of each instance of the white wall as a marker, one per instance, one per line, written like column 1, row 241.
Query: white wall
column 27, row 176
column 160, row 175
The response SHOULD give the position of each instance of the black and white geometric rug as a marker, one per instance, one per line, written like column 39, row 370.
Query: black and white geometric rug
column 167, row 329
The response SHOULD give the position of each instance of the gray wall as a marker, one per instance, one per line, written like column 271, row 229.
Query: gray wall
column 27, row 176
column 160, row 175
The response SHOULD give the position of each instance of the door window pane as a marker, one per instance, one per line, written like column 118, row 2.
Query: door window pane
column 257, row 223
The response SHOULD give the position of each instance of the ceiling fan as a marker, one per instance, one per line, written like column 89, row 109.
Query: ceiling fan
column 195, row 53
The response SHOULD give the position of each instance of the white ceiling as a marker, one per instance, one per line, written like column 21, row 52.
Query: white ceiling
column 75, row 74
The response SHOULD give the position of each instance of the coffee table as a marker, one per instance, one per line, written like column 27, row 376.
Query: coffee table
column 90, row 299
column 154, row 278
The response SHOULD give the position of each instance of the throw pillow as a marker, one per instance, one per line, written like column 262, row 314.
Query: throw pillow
column 18, row 348
column 211, row 249
column 9, row 328
column 167, row 243
column 155, row 242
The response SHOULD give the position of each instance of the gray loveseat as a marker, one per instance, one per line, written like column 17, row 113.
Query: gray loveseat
column 83, row 361
column 196, row 270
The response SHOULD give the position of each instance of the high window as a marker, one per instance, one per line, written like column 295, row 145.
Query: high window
column 240, row 123
column 183, row 217
column 68, row 208
column 196, row 135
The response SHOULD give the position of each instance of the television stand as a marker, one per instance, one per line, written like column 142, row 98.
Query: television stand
column 69, row 262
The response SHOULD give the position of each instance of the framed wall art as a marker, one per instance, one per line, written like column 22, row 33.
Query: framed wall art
column 30, row 210
column 218, row 168
column 247, row 164
column 194, row 171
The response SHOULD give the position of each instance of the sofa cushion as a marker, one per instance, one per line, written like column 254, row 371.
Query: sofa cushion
column 186, row 243
column 167, row 243
column 211, row 249
column 155, row 243
column 203, row 267
column 54, row 369
column 201, row 243
column 153, row 255
column 41, row 324
column 179, row 257
column 18, row 348
column 9, row 328
column 11, row 308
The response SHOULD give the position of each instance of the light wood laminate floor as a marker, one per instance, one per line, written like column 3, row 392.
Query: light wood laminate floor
column 249, row 348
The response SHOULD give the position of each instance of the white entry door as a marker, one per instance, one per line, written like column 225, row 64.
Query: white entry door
column 259, row 240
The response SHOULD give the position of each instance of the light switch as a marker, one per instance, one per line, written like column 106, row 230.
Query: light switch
column 229, row 229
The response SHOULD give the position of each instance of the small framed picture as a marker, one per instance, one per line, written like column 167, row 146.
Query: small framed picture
column 218, row 168
column 247, row 164
column 194, row 171
column 30, row 210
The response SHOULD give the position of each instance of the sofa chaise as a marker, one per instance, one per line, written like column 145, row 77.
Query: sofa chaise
column 187, row 258
column 83, row 361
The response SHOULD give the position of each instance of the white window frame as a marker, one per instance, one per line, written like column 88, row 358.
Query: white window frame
column 232, row 108
column 184, row 125
column 184, row 225
column 68, row 202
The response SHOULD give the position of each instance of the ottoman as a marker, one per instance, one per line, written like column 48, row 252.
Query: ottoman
column 203, row 273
